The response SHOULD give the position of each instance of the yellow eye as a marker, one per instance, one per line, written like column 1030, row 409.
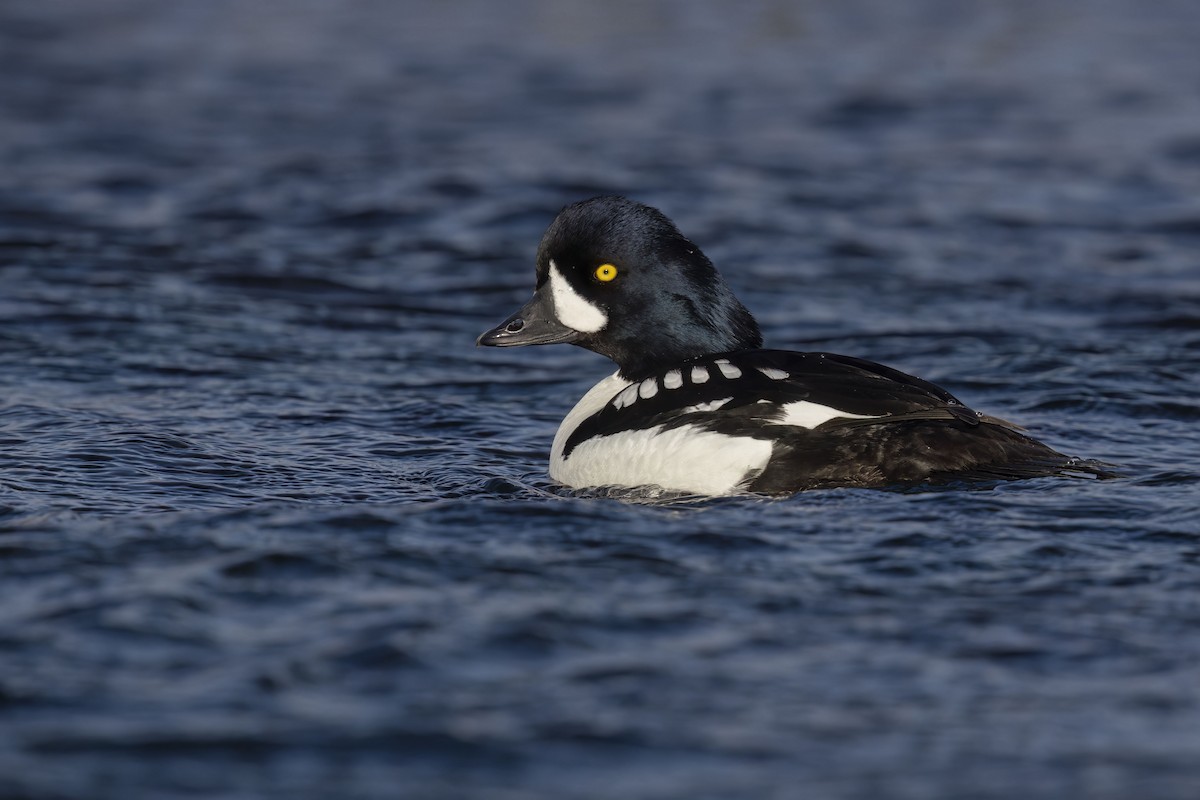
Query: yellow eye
column 605, row 272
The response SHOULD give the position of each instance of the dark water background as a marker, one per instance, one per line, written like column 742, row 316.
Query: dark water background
column 270, row 525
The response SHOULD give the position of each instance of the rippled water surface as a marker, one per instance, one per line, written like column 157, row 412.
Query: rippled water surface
column 270, row 525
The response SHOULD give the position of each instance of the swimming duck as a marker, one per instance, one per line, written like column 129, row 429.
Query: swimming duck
column 697, row 406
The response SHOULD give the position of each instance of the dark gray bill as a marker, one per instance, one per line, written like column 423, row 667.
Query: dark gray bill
column 535, row 323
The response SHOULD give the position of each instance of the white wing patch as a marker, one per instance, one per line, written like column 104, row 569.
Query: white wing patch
column 648, row 389
column 711, row 405
column 699, row 375
column 570, row 308
column 773, row 374
column 673, row 379
column 804, row 414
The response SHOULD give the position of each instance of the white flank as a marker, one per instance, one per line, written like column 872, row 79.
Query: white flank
column 627, row 397
column 648, row 389
column 804, row 414
column 699, row 375
column 673, row 379
column 570, row 308
column 711, row 405
column 772, row 373
column 727, row 369
column 683, row 459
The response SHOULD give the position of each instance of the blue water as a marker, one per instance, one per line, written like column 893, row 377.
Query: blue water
column 271, row 526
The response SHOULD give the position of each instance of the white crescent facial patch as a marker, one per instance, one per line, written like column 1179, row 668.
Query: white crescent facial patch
column 570, row 308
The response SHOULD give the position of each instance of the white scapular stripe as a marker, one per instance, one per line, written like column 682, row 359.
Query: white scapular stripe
column 648, row 389
column 699, row 375
column 673, row 379
column 727, row 369
column 570, row 308
column 626, row 397
column 772, row 373
column 804, row 414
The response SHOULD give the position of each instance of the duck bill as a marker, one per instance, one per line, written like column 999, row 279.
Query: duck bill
column 535, row 323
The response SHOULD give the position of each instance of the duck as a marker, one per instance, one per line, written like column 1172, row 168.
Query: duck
column 697, row 406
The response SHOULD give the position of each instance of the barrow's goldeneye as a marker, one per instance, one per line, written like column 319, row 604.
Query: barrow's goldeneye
column 697, row 406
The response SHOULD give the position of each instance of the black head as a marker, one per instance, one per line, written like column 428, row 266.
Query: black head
column 618, row 278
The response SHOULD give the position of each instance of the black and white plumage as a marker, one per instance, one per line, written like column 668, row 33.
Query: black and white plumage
column 696, row 406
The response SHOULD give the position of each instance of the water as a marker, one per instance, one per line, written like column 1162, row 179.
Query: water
column 272, row 526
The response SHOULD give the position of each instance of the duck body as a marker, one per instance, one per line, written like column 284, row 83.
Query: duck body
column 698, row 407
